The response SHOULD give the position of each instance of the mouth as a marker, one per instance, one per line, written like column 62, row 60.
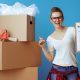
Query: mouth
column 57, row 23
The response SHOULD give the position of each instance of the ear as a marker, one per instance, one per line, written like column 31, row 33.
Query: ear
column 62, row 19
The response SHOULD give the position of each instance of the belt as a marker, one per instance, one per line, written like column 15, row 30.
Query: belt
column 64, row 66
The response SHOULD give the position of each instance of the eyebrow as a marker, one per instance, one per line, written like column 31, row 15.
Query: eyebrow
column 56, row 16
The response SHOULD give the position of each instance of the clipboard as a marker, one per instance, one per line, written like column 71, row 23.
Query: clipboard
column 77, row 26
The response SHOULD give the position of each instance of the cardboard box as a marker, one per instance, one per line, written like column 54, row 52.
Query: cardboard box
column 30, row 73
column 15, row 55
column 19, row 26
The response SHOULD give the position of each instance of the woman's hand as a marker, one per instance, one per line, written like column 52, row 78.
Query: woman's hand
column 42, row 43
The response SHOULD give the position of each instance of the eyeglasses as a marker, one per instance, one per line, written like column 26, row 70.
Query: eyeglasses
column 55, row 18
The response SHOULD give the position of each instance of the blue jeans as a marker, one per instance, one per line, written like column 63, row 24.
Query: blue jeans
column 72, row 76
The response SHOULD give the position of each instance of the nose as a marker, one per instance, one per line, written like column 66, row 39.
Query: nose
column 57, row 19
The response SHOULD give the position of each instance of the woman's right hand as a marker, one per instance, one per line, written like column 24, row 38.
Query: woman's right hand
column 42, row 43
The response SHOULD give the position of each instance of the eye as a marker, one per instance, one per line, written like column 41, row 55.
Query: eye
column 54, row 18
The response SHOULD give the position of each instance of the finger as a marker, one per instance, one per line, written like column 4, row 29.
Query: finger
column 41, row 42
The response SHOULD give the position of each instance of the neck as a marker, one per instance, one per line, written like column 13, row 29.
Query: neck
column 60, row 28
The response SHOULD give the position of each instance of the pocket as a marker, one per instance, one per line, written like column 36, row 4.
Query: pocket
column 53, row 77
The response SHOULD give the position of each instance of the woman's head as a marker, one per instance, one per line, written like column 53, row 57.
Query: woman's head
column 56, row 17
column 56, row 9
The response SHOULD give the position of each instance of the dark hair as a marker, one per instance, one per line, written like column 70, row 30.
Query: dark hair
column 56, row 9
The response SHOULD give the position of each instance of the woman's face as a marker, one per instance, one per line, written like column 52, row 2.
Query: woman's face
column 57, row 19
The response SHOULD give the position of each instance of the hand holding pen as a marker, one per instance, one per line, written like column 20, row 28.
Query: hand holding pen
column 41, row 42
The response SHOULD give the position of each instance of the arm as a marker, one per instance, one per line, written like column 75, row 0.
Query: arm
column 48, row 53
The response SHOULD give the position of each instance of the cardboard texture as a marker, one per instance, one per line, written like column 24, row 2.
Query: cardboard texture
column 15, row 55
column 30, row 73
column 20, row 26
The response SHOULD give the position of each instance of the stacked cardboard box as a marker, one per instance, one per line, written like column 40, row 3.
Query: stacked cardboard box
column 19, row 60
column 15, row 55
column 20, row 26
column 29, row 73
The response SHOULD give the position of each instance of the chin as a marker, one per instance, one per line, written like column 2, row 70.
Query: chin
column 57, row 25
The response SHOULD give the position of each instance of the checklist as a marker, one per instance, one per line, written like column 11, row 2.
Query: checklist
column 78, row 35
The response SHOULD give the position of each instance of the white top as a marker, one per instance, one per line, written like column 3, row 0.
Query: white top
column 65, row 49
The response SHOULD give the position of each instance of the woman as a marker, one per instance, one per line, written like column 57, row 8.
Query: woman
column 64, row 64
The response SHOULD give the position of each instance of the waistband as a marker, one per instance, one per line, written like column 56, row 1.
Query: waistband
column 64, row 66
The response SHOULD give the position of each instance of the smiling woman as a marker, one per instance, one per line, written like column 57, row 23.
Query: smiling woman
column 64, row 63
column 57, row 18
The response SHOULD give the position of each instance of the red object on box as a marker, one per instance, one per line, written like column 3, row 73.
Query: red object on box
column 4, row 34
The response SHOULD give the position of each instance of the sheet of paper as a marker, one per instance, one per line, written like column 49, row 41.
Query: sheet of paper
column 78, row 35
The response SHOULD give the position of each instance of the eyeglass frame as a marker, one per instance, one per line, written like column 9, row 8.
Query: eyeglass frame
column 55, row 18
